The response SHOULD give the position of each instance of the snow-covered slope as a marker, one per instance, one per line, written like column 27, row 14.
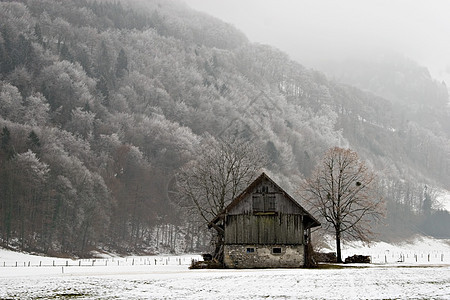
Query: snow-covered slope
column 418, row 250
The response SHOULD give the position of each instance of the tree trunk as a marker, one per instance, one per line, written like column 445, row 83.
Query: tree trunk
column 218, row 251
column 157, row 237
column 85, row 238
column 338, row 246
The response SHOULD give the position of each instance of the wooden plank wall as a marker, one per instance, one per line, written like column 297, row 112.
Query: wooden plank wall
column 282, row 204
column 264, row 229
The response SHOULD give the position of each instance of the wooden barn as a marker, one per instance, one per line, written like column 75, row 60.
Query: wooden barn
column 264, row 227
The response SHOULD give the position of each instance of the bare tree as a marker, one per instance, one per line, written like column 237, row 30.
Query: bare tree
column 221, row 170
column 341, row 190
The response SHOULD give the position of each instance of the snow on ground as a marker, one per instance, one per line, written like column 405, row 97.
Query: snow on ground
column 168, row 277
column 179, row 283
column 420, row 250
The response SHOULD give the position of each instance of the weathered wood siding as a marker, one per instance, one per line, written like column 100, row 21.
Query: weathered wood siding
column 286, row 229
column 282, row 205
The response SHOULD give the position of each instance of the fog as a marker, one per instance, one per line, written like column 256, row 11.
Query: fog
column 313, row 32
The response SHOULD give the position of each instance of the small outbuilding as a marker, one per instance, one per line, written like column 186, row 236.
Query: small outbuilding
column 264, row 227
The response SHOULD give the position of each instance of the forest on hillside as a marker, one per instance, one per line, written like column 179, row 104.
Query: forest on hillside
column 101, row 103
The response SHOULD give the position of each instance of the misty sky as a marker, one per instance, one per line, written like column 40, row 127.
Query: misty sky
column 311, row 31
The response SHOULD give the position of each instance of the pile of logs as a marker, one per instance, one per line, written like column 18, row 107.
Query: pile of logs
column 208, row 262
column 361, row 259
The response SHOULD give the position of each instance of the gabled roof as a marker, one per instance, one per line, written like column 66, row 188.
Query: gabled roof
column 311, row 221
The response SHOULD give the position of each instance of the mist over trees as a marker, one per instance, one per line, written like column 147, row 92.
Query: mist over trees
column 102, row 103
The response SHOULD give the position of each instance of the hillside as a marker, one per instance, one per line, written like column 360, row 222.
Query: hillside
column 102, row 103
column 406, row 84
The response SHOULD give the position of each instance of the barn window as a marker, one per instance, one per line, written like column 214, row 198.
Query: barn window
column 264, row 202
column 258, row 204
column 250, row 250
column 269, row 203
column 276, row 250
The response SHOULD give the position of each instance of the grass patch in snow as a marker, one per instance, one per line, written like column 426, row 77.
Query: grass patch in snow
column 338, row 266
column 64, row 296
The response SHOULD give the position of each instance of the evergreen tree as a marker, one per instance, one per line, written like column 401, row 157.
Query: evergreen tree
column 33, row 142
column 7, row 48
column 427, row 203
column 121, row 64
column 5, row 143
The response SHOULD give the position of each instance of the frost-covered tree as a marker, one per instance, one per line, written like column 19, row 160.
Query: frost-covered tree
column 66, row 86
column 82, row 122
column 11, row 103
column 36, row 110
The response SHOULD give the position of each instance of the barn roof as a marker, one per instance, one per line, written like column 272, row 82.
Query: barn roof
column 310, row 220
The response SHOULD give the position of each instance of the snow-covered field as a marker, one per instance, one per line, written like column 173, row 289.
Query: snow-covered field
column 170, row 278
column 176, row 282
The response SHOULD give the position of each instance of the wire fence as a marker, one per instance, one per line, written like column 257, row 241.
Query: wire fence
column 377, row 257
column 96, row 262
column 410, row 257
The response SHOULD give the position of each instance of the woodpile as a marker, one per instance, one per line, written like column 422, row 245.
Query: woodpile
column 209, row 264
column 207, row 256
column 360, row 259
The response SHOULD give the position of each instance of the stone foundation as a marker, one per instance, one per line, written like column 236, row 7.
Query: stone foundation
column 264, row 256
